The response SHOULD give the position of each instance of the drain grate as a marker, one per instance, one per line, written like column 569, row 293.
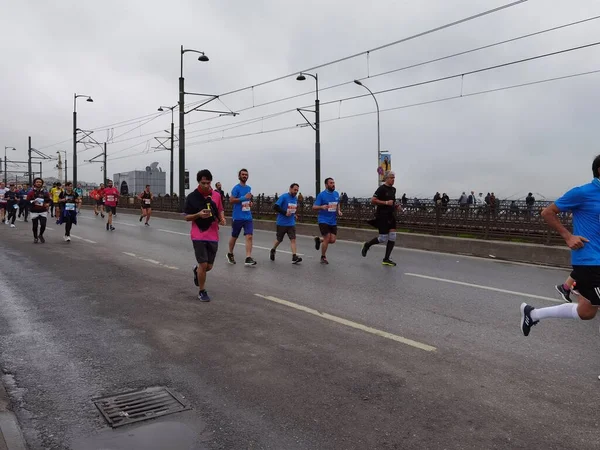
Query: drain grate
column 130, row 407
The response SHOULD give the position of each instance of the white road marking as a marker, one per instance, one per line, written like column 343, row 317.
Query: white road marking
column 278, row 251
column 126, row 224
column 174, row 232
column 152, row 261
column 349, row 323
column 83, row 239
column 487, row 288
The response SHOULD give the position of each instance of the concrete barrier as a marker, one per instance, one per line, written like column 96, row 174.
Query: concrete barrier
column 558, row 256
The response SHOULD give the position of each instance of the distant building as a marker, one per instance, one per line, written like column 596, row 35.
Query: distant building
column 134, row 182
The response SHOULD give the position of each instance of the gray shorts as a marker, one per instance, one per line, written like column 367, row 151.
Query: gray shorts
column 205, row 251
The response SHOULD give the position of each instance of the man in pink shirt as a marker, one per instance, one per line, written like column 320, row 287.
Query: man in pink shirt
column 204, row 208
column 111, row 198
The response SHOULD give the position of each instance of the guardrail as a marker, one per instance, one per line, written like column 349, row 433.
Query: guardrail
column 516, row 224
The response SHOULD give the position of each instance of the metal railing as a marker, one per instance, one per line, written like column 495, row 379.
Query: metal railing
column 516, row 223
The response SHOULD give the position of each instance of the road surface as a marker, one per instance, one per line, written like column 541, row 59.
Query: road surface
column 352, row 355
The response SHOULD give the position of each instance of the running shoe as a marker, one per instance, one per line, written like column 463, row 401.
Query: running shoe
column 147, row 224
column 249, row 262
column 203, row 296
column 317, row 243
column 526, row 320
column 564, row 293
column 272, row 254
column 296, row 259
column 365, row 249
column 12, row 225
column 141, row 218
column 42, row 240
column 324, row 260
column 112, row 228
column 68, row 238
column 107, row 227
column 388, row 262
column 35, row 240
column 230, row 258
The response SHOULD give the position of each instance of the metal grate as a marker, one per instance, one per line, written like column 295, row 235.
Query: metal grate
column 129, row 407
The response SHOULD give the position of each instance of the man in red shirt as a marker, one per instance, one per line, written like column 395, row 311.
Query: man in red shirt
column 111, row 198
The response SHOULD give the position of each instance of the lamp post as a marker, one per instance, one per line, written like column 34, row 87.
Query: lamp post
column 302, row 77
column 378, row 133
column 5, row 163
column 202, row 58
column 172, row 141
column 75, row 97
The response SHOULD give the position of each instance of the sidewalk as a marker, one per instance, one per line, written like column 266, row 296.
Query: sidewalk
column 11, row 437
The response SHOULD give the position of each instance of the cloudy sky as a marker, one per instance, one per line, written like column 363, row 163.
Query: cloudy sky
column 125, row 54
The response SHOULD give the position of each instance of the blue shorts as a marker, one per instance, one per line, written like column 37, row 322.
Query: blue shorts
column 237, row 226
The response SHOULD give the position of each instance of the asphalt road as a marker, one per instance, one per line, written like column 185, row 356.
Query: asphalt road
column 352, row 355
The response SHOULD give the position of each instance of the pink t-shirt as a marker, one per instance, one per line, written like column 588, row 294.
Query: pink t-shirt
column 212, row 234
column 111, row 196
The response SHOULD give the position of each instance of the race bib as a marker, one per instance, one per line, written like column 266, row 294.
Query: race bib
column 332, row 206
column 147, row 201
column 70, row 206
column 291, row 209
column 245, row 206
column 16, row 206
column 110, row 198
column 39, row 201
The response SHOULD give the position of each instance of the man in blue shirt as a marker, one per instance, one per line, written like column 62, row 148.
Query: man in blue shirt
column 328, row 205
column 241, row 199
column 584, row 242
column 286, row 207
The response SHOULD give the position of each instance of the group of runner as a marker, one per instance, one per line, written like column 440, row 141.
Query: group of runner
column 204, row 209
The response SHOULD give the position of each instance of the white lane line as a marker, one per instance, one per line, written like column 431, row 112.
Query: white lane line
column 151, row 261
column 487, row 288
column 83, row 239
column 349, row 323
column 174, row 232
column 48, row 228
column 126, row 224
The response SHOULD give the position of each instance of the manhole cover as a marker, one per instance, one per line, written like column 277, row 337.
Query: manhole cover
column 130, row 407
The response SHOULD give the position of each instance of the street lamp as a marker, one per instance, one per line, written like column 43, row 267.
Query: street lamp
column 75, row 97
column 5, row 163
column 302, row 77
column 202, row 58
column 378, row 133
column 172, row 139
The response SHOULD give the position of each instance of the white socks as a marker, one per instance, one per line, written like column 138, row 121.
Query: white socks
column 566, row 311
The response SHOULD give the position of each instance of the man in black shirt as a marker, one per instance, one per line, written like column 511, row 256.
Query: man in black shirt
column 385, row 218
column 12, row 204
column 68, row 201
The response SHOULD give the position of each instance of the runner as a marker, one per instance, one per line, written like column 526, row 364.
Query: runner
column 584, row 203
column 146, row 198
column 55, row 195
column 385, row 218
column 23, row 203
column 12, row 204
column 286, row 207
column 111, row 199
column 3, row 191
column 40, row 202
column 98, row 196
column 201, row 205
column 79, row 191
column 241, row 199
column 69, row 200
column 328, row 205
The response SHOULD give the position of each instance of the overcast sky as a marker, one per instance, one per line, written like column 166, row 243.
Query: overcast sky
column 125, row 54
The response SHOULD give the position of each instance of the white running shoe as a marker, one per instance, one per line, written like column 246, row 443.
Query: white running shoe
column 68, row 238
column 65, row 238
column 12, row 225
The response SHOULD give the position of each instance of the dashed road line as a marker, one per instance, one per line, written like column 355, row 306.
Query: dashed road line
column 151, row 261
column 351, row 324
column 487, row 288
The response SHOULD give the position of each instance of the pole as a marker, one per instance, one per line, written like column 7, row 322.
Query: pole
column 66, row 174
column 105, row 164
column 40, row 169
column 5, row 167
column 181, row 139
column 75, row 139
column 29, row 168
column 378, row 139
column 171, row 166
column 317, row 149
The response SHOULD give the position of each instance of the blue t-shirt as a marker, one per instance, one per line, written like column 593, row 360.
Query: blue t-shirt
column 287, row 203
column 331, row 199
column 241, row 211
column 584, row 202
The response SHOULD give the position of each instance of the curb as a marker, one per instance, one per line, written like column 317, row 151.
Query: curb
column 11, row 436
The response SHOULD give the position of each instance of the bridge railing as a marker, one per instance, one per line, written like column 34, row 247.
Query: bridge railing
column 517, row 223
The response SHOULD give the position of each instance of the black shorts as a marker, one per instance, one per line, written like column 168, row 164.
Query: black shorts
column 383, row 223
column 205, row 251
column 99, row 203
column 146, row 206
column 283, row 230
column 326, row 229
column 588, row 282
column 110, row 209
